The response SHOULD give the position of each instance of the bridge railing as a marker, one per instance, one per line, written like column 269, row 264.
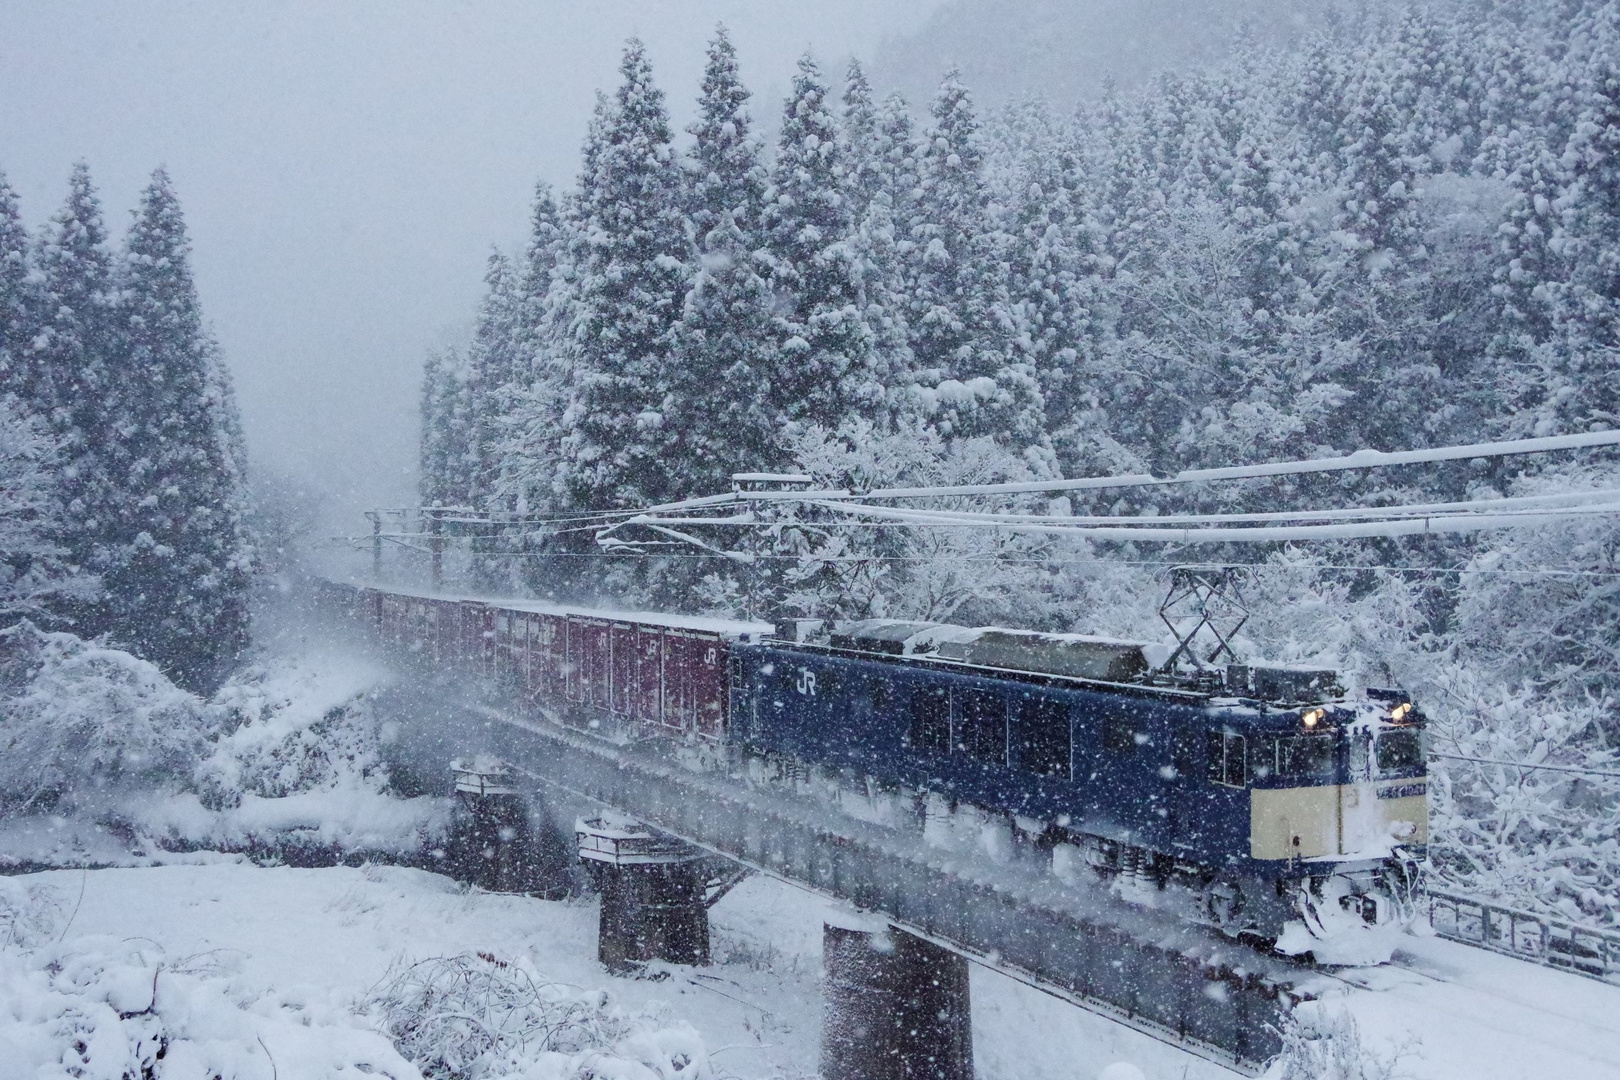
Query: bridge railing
column 1542, row 939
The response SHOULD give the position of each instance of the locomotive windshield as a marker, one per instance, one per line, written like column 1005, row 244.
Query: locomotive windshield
column 1400, row 751
column 1296, row 757
column 1308, row 757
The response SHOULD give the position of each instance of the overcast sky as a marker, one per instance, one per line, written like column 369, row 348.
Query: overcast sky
column 344, row 167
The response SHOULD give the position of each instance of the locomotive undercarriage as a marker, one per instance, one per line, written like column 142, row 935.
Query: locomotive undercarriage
column 1295, row 915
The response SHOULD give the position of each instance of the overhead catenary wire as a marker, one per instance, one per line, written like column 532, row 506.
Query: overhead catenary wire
column 1526, row 765
column 1417, row 525
column 1002, row 557
column 670, row 520
column 1361, row 459
column 1147, row 532
column 1513, row 504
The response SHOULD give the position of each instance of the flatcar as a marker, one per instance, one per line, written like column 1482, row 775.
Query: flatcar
column 1274, row 795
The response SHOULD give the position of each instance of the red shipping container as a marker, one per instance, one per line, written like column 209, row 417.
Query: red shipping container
column 591, row 648
column 650, row 700
column 544, row 665
column 709, row 687
column 624, row 676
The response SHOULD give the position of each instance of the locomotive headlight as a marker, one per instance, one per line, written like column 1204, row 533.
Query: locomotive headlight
column 1398, row 713
column 1312, row 718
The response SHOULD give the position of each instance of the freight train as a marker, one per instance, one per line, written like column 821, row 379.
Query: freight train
column 1277, row 801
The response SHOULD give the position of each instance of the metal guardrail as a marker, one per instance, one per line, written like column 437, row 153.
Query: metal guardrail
column 1541, row 939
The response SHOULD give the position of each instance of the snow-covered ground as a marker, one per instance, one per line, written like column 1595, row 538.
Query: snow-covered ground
column 253, row 965
column 286, row 955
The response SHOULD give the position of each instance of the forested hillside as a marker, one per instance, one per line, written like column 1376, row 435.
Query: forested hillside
column 1403, row 233
column 1065, row 51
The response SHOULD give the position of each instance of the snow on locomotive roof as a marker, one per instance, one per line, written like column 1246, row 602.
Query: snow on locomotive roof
column 1075, row 655
column 730, row 628
column 895, row 636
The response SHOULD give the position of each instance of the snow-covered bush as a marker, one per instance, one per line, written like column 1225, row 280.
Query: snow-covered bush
column 825, row 567
column 285, row 759
column 99, row 1008
column 297, row 764
column 28, row 913
column 80, row 719
column 294, row 727
column 475, row 1016
column 1545, row 839
column 1531, row 675
column 1321, row 1042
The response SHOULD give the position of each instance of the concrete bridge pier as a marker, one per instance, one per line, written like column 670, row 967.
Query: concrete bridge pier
column 501, row 839
column 895, row 1007
column 654, row 892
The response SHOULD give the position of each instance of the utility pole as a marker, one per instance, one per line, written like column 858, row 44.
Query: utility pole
column 376, row 544
column 435, row 526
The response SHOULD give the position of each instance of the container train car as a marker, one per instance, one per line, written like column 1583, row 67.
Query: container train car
column 1276, row 797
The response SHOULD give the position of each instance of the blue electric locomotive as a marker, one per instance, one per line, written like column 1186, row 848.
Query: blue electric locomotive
column 1272, row 792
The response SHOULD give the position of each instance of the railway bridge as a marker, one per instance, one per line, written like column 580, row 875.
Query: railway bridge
column 940, row 907
column 1179, row 982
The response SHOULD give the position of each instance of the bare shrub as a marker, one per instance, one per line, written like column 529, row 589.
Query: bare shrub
column 1320, row 1043
column 471, row 1016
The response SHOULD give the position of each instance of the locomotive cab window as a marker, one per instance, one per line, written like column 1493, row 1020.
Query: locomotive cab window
column 982, row 726
column 1305, row 757
column 930, row 727
column 1043, row 737
column 1399, row 751
column 1227, row 758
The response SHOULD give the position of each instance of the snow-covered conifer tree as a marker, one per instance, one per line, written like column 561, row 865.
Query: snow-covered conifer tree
column 19, row 307
column 76, row 359
column 859, row 130
column 721, row 417
column 444, row 473
column 177, row 563
column 494, row 364
column 894, row 158
column 880, row 271
column 36, row 578
column 631, row 265
column 525, row 447
column 36, row 581
column 721, row 411
column 824, row 371
column 960, row 320
column 727, row 177
column 1587, row 395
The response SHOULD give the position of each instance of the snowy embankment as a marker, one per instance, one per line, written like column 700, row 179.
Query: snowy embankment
column 250, row 972
column 105, row 762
